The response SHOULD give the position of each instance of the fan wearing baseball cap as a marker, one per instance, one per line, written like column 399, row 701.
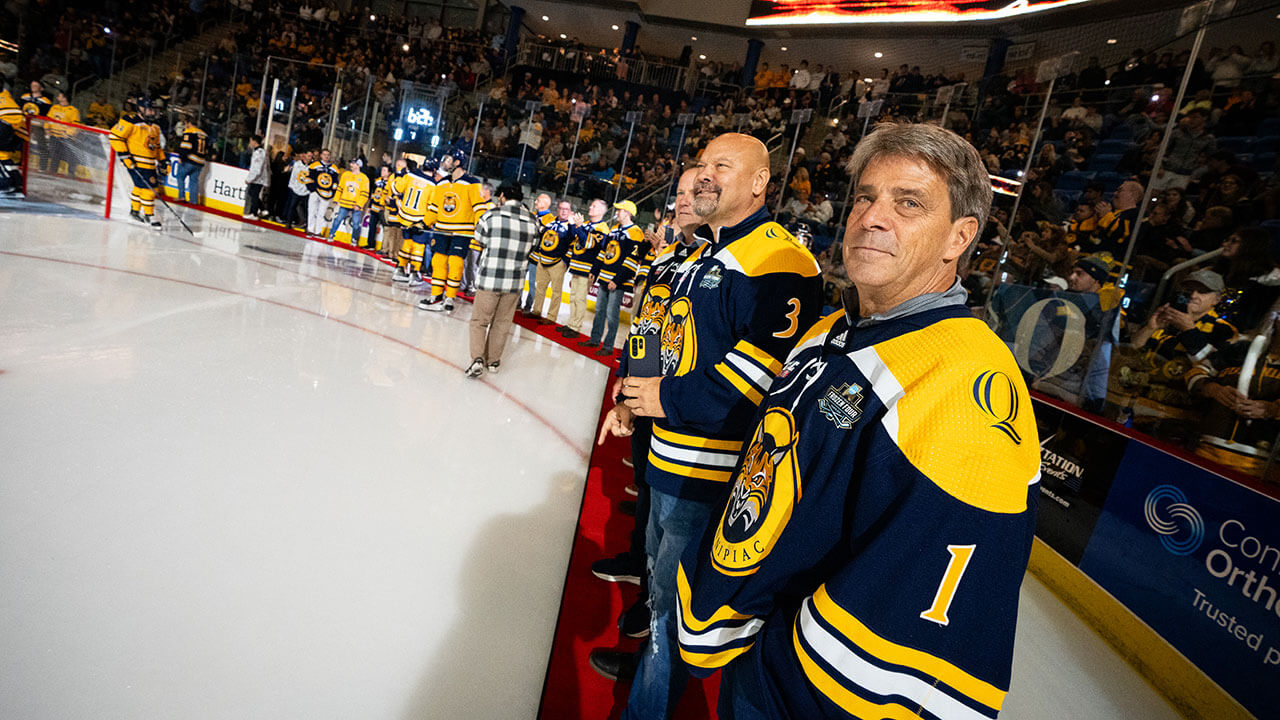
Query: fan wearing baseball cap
column 615, row 272
column 1190, row 325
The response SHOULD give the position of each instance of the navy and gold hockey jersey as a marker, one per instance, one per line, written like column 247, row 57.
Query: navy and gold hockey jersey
column 738, row 305
column 587, row 241
column 11, row 115
column 868, row 560
column 653, row 305
column 554, row 239
column 322, row 179
column 194, row 146
column 616, row 262
column 35, row 104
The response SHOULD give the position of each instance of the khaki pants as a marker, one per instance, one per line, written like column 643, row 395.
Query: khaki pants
column 491, row 316
column 553, row 276
column 391, row 239
column 578, row 287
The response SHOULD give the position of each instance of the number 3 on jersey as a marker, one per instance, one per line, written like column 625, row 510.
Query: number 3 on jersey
column 794, row 317
column 960, row 556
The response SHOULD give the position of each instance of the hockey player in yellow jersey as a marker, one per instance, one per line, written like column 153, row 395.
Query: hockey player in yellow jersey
column 60, row 152
column 353, row 195
column 413, row 186
column 13, row 138
column 456, row 204
column 136, row 139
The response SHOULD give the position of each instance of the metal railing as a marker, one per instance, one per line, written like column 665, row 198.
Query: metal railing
column 601, row 66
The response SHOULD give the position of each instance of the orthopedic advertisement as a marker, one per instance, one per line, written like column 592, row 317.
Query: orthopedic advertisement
column 1196, row 556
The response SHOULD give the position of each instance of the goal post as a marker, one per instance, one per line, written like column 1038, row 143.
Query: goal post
column 73, row 165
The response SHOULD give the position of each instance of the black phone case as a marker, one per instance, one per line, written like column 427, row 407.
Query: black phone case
column 643, row 355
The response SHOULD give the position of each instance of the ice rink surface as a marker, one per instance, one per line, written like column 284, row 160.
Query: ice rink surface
column 241, row 476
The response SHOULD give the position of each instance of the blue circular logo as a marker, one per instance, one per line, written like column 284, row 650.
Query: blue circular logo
column 1179, row 525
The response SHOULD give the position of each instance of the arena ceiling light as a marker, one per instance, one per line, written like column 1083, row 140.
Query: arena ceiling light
column 373, row 18
column 694, row 38
column 702, row 57
column 879, row 54
column 615, row 27
column 784, row 48
column 1112, row 41
column 405, row 47
column 563, row 36
column 545, row 18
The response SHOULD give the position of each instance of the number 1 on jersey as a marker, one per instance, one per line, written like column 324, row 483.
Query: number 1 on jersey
column 960, row 555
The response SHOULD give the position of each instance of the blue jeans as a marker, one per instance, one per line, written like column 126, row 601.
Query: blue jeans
column 530, row 276
column 357, row 216
column 189, row 182
column 674, row 524
column 608, row 305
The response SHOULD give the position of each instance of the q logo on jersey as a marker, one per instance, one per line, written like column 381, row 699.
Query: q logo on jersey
column 652, row 310
column 1180, row 527
column 450, row 203
column 679, row 339
column 997, row 397
column 765, row 492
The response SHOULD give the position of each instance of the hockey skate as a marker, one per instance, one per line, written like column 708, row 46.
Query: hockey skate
column 400, row 276
column 434, row 303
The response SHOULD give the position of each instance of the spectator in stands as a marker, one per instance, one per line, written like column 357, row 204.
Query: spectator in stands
column 1248, row 269
column 1212, row 230
column 1176, row 200
column 800, row 80
column 1116, row 224
column 101, row 112
column 1189, row 141
column 1189, row 325
column 1081, row 227
column 1229, row 192
column 1229, row 67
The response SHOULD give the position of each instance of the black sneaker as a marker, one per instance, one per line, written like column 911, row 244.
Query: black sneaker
column 619, row 569
column 589, row 344
column 475, row 369
column 634, row 621
column 614, row 664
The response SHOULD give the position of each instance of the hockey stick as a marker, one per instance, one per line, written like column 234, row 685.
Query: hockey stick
column 160, row 197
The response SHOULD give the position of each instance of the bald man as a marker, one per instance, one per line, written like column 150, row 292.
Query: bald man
column 542, row 213
column 737, row 307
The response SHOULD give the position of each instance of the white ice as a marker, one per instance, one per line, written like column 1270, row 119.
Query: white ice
column 241, row 476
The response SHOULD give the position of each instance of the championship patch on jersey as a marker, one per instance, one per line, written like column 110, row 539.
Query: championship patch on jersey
column 712, row 279
column 997, row 397
column 842, row 405
column 679, row 339
column 765, row 491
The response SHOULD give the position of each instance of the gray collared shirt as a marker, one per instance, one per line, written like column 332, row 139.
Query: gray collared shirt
column 954, row 295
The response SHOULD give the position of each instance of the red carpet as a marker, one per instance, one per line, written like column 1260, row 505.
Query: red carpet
column 589, row 607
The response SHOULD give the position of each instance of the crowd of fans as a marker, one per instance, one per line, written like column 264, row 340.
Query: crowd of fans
column 1082, row 189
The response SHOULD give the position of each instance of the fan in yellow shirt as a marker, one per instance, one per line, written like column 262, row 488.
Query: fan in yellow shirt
column 353, row 196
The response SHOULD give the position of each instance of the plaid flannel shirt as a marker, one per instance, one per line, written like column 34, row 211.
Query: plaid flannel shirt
column 506, row 234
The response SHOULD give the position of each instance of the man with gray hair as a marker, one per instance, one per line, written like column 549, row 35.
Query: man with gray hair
column 883, row 508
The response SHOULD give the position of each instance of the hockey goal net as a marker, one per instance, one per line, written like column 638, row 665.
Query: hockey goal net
column 72, row 165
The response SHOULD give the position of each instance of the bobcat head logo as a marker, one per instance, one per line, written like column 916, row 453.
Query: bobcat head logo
column 755, row 481
column 765, row 491
column 450, row 203
column 672, row 344
column 652, row 310
column 549, row 238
